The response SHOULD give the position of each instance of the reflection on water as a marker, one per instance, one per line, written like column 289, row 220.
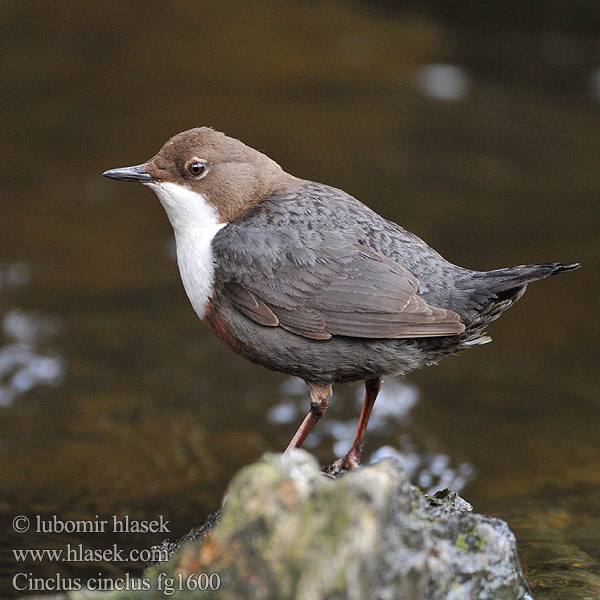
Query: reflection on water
column 23, row 364
column 389, row 425
column 14, row 275
column 392, row 407
column 559, row 541
column 443, row 82
column 430, row 471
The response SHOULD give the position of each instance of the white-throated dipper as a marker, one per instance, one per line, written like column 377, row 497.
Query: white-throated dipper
column 302, row 278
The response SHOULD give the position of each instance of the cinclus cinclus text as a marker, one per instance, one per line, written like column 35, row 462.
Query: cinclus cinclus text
column 303, row 278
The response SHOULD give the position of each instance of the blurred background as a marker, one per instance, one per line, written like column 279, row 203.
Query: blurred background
column 474, row 125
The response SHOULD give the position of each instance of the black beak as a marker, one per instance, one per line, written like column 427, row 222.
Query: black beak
column 136, row 173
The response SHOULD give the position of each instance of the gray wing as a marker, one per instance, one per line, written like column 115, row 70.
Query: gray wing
column 319, row 284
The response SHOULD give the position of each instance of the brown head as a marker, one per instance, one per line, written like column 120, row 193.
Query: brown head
column 230, row 176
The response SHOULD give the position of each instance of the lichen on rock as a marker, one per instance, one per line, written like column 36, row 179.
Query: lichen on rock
column 289, row 532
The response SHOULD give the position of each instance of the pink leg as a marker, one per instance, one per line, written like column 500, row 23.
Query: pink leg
column 319, row 399
column 352, row 458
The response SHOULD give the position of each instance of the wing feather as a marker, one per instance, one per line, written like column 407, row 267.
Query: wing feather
column 323, row 284
column 247, row 303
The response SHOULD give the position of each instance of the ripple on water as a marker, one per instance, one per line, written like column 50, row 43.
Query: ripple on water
column 558, row 534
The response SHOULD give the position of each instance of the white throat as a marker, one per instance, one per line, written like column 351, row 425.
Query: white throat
column 195, row 223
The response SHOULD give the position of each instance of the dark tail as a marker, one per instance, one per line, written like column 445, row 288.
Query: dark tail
column 487, row 294
column 501, row 281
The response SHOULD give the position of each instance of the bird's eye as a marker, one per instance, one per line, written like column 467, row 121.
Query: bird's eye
column 196, row 168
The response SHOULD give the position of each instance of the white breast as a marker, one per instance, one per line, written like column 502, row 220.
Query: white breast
column 195, row 223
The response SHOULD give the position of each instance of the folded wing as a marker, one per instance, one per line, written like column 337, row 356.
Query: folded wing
column 319, row 285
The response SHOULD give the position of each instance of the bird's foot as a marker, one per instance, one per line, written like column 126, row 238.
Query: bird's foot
column 342, row 465
column 333, row 471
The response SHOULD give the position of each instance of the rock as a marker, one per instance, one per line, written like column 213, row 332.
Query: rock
column 287, row 531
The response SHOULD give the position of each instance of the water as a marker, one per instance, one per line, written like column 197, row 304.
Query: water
column 477, row 133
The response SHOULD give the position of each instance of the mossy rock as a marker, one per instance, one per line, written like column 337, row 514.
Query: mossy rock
column 287, row 531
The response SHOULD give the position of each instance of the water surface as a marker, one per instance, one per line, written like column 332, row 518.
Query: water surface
column 478, row 134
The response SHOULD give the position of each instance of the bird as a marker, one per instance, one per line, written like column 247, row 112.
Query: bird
column 303, row 278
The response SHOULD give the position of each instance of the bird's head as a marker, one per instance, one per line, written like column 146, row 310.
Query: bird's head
column 203, row 172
